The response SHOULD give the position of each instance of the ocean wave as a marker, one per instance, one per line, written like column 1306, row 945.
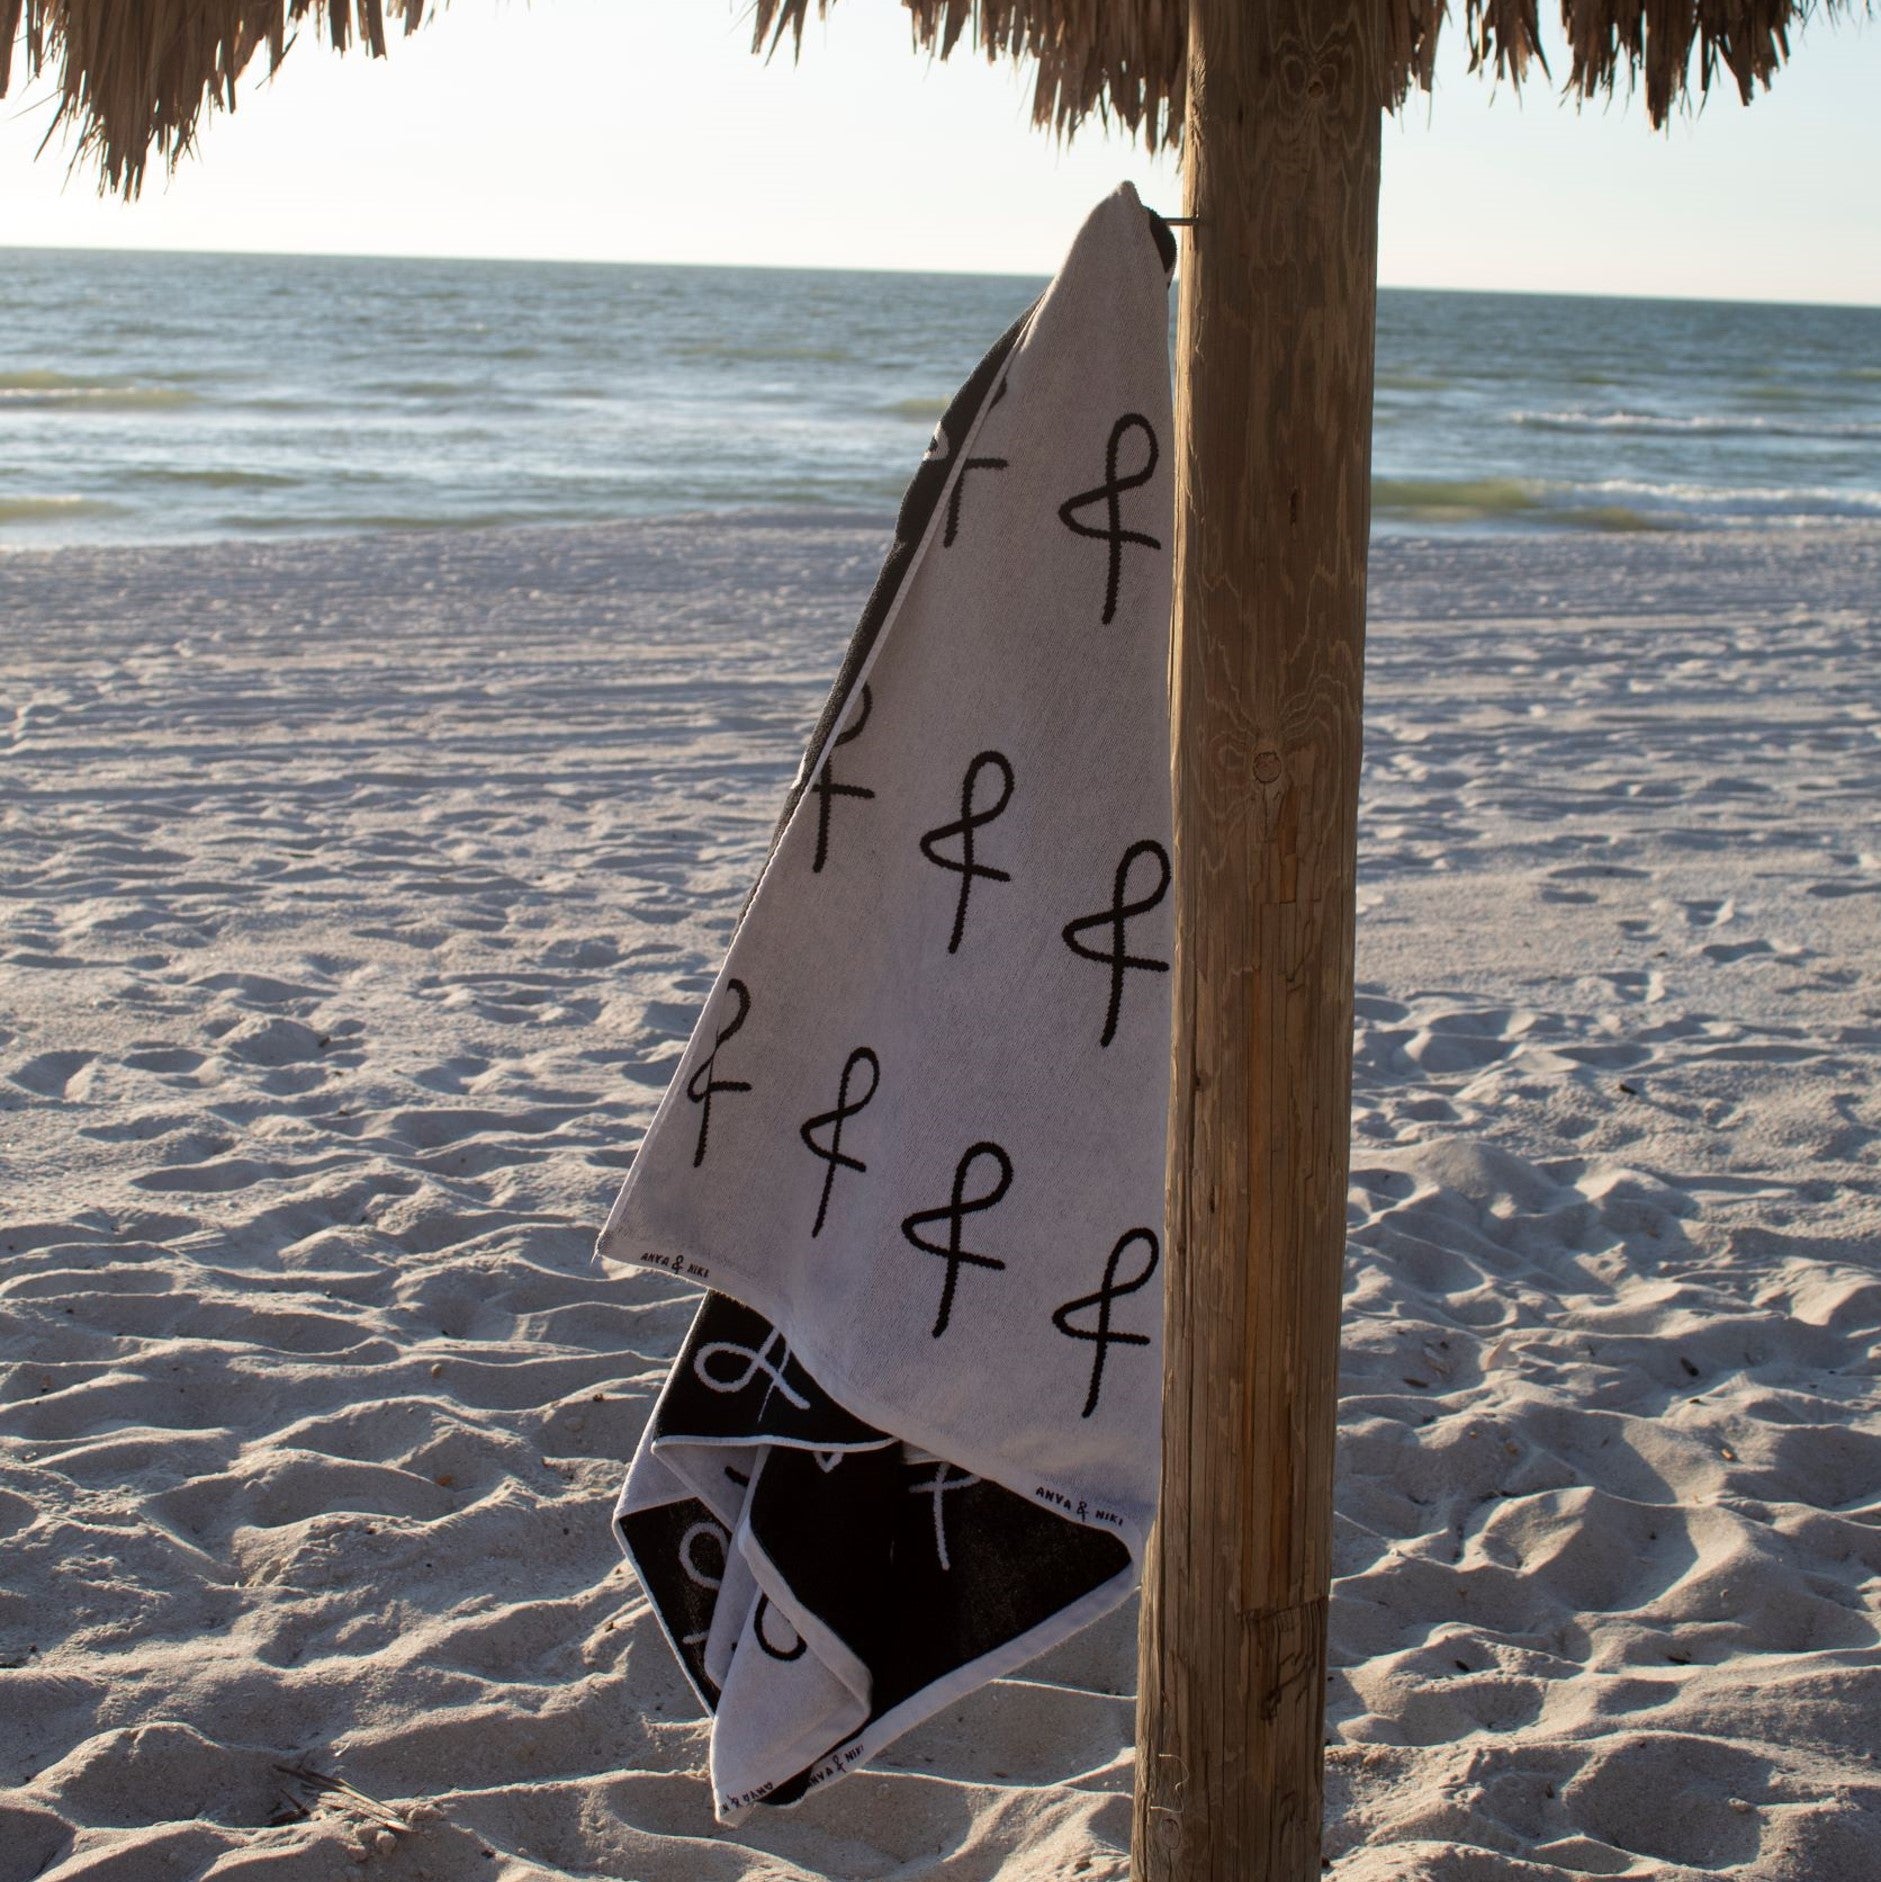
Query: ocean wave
column 1511, row 500
column 310, row 522
column 1744, row 502
column 1613, row 519
column 745, row 354
column 51, row 509
column 1453, row 500
column 29, row 390
column 1698, row 424
column 422, row 388
column 212, row 477
column 1617, row 504
column 1411, row 382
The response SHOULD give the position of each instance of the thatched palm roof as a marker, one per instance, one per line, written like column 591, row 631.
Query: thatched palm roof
column 137, row 76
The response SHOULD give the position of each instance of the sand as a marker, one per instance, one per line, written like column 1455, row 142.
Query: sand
column 358, row 894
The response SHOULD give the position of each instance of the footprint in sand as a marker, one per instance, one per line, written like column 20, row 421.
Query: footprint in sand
column 51, row 1074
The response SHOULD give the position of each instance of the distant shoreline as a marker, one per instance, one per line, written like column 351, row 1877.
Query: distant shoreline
column 618, row 533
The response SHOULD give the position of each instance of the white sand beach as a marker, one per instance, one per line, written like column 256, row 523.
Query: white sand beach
column 357, row 897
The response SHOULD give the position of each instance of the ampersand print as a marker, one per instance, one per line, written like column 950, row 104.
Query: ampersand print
column 971, row 819
column 826, row 788
column 703, row 1532
column 1117, row 956
column 1103, row 1336
column 945, row 1478
column 947, row 1035
column 704, row 1082
column 960, row 483
column 772, row 1360
column 954, row 1214
column 1110, row 492
column 786, row 1654
column 702, row 1577
column 833, row 1153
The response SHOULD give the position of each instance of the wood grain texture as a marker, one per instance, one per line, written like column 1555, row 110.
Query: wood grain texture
column 1279, row 294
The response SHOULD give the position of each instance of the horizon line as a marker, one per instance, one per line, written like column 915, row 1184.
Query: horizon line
column 981, row 274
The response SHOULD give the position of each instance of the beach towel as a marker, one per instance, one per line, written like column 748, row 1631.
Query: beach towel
column 915, row 1147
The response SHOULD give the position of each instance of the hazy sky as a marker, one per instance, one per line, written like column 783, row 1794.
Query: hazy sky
column 644, row 130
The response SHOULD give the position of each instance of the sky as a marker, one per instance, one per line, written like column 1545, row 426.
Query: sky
column 645, row 130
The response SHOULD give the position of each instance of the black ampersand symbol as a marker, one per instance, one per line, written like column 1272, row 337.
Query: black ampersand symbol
column 1117, row 956
column 1109, row 492
column 1101, row 1335
column 955, row 1215
column 970, row 820
column 834, row 1154
column 826, row 787
column 960, row 483
column 701, row 1086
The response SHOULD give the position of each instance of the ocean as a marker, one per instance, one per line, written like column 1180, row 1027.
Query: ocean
column 166, row 397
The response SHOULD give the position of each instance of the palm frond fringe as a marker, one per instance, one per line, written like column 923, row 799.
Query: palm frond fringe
column 137, row 77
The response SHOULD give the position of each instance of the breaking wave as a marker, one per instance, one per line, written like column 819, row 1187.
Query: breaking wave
column 1699, row 424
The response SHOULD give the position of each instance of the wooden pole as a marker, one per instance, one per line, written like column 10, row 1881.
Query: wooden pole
column 1274, row 406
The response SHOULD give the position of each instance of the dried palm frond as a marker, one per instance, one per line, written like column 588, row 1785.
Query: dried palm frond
column 1129, row 58
column 137, row 76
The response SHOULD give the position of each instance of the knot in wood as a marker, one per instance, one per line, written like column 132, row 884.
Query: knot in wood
column 1323, row 79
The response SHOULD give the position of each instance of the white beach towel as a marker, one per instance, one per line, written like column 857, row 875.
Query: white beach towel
column 915, row 1148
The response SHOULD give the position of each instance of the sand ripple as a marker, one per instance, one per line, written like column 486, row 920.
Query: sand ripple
column 357, row 898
